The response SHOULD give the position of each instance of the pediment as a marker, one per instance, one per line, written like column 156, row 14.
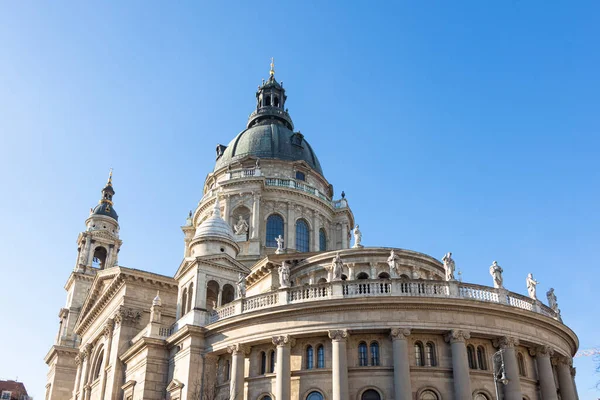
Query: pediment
column 174, row 386
column 218, row 261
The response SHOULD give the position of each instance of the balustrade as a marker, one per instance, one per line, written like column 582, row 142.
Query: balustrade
column 376, row 288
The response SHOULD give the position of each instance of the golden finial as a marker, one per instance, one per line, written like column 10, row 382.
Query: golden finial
column 110, row 177
column 272, row 71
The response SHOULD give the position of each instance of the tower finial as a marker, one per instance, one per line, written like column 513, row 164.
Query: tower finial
column 272, row 71
column 110, row 177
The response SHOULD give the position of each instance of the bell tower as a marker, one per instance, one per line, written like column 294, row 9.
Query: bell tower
column 97, row 249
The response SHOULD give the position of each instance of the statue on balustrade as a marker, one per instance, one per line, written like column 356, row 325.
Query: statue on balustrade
column 241, row 286
column 241, row 228
column 393, row 263
column 357, row 237
column 531, row 286
column 279, row 241
column 496, row 272
column 449, row 266
column 337, row 267
column 284, row 274
column 552, row 300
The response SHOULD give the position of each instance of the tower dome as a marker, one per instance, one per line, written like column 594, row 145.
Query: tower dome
column 214, row 235
column 269, row 133
column 105, row 205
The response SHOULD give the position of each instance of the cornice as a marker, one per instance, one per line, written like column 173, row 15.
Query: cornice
column 185, row 332
column 292, row 311
column 139, row 346
column 57, row 350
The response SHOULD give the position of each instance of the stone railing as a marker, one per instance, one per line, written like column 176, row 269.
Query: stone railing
column 381, row 288
column 296, row 185
column 244, row 173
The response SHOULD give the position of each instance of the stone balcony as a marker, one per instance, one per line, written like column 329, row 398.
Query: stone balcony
column 380, row 288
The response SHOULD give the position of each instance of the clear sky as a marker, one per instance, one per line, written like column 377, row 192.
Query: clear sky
column 469, row 127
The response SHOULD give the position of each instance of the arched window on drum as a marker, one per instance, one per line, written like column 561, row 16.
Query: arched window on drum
column 302, row 236
column 322, row 240
column 274, row 229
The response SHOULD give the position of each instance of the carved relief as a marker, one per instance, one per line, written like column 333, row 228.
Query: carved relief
column 127, row 315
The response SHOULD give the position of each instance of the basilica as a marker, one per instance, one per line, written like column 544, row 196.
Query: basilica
column 276, row 298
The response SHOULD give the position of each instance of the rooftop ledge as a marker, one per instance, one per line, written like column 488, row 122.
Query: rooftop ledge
column 380, row 288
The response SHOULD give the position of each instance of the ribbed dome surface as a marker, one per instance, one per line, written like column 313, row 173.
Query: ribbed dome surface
column 273, row 141
column 101, row 209
column 214, row 226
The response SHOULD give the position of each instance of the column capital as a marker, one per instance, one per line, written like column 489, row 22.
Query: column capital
column 283, row 340
column 107, row 331
column 562, row 360
column 399, row 333
column 505, row 342
column 543, row 351
column 457, row 335
column 78, row 360
column 87, row 350
column 573, row 371
column 338, row 335
column 239, row 348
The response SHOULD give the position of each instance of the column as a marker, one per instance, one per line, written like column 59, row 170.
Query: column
column 373, row 270
column 226, row 209
column 345, row 242
column 291, row 227
column 402, row 389
column 90, row 253
column 78, row 362
column 565, row 379
column 339, row 364
column 220, row 295
column 315, row 226
column 108, row 335
column 460, row 365
column 236, row 385
column 546, row 377
column 255, row 216
column 283, row 380
column 512, row 390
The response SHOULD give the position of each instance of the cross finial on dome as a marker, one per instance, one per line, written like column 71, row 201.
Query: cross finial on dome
column 272, row 71
column 110, row 177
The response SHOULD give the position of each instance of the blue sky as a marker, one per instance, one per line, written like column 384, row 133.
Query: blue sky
column 476, row 122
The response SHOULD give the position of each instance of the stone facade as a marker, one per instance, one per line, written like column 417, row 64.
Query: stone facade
column 354, row 322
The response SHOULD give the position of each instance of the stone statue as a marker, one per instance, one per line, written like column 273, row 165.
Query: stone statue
column 357, row 237
column 241, row 285
column 496, row 272
column 284, row 274
column 241, row 227
column 552, row 300
column 531, row 286
column 337, row 267
column 279, row 241
column 449, row 266
column 188, row 220
column 392, row 262
column 257, row 165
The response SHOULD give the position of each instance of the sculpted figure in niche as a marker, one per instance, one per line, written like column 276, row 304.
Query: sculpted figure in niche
column 357, row 237
column 496, row 272
column 393, row 263
column 531, row 286
column 284, row 275
column 279, row 241
column 241, row 285
column 241, row 227
column 449, row 266
column 337, row 267
column 552, row 300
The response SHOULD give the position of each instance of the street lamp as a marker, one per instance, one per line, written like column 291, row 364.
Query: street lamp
column 499, row 370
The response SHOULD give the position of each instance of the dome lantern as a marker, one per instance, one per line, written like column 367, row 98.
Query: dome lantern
column 270, row 102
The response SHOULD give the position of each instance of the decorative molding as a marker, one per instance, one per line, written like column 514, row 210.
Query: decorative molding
column 541, row 351
column 399, row 333
column 283, row 340
column 338, row 335
column 239, row 348
column 457, row 335
column 505, row 342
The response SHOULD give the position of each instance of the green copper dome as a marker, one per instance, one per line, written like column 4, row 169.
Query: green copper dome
column 269, row 132
column 274, row 141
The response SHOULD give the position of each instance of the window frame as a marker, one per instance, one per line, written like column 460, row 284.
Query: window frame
column 363, row 355
column 273, row 230
column 302, row 238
